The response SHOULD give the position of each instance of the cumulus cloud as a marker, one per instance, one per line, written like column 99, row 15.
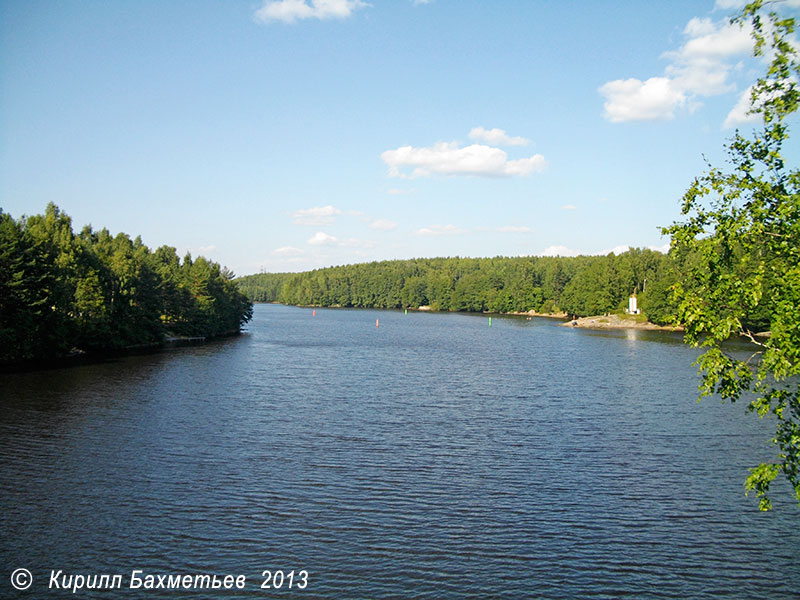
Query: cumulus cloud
column 322, row 239
column 699, row 68
column 287, row 251
column 496, row 137
column 569, row 207
column 636, row 100
column 289, row 11
column 440, row 230
column 383, row 225
column 559, row 251
column 709, row 40
column 615, row 250
column 449, row 158
column 740, row 113
column 701, row 65
column 316, row 216
column 664, row 248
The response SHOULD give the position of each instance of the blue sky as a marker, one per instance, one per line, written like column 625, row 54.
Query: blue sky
column 296, row 134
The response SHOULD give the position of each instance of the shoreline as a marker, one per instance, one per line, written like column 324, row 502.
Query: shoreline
column 532, row 313
column 427, row 309
column 78, row 357
column 614, row 321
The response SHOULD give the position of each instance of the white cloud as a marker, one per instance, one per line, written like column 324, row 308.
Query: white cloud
column 449, row 158
column 559, row 251
column 621, row 249
column 709, row 40
column 615, row 250
column 697, row 27
column 440, row 230
column 287, row 251
column 322, row 239
column 316, row 216
column 569, row 207
column 635, row 100
column 513, row 229
column 206, row 249
column 496, row 137
column 383, row 225
column 290, row 11
column 740, row 113
column 699, row 68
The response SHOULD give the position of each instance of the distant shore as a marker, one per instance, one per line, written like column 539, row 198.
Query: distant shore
column 533, row 313
column 610, row 321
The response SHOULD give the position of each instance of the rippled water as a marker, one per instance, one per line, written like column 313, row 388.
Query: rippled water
column 430, row 457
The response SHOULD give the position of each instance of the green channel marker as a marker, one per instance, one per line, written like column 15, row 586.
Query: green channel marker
column 490, row 321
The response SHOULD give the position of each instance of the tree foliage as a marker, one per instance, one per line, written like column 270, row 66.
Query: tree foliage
column 92, row 291
column 742, row 230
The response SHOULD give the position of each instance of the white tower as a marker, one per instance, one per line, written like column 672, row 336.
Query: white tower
column 632, row 308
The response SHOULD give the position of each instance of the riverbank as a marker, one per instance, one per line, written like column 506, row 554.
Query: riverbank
column 610, row 321
column 616, row 321
column 77, row 357
column 533, row 313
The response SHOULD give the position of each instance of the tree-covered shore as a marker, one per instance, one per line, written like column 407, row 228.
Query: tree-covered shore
column 64, row 293
column 583, row 285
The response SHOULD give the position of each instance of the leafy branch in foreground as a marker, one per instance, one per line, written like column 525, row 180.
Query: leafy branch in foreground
column 743, row 234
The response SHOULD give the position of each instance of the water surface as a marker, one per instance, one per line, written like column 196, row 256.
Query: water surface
column 430, row 457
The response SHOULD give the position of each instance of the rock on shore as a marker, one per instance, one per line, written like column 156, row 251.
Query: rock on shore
column 615, row 321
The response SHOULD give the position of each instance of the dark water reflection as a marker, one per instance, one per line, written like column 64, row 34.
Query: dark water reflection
column 432, row 457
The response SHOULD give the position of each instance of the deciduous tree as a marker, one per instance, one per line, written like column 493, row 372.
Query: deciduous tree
column 742, row 228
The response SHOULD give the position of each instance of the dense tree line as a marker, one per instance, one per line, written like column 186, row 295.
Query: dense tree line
column 61, row 291
column 583, row 285
column 264, row 287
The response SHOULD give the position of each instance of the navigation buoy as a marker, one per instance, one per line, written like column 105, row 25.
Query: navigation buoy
column 406, row 312
column 376, row 323
column 490, row 321
column 313, row 313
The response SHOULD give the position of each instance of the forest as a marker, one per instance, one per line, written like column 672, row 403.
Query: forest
column 64, row 293
column 583, row 285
